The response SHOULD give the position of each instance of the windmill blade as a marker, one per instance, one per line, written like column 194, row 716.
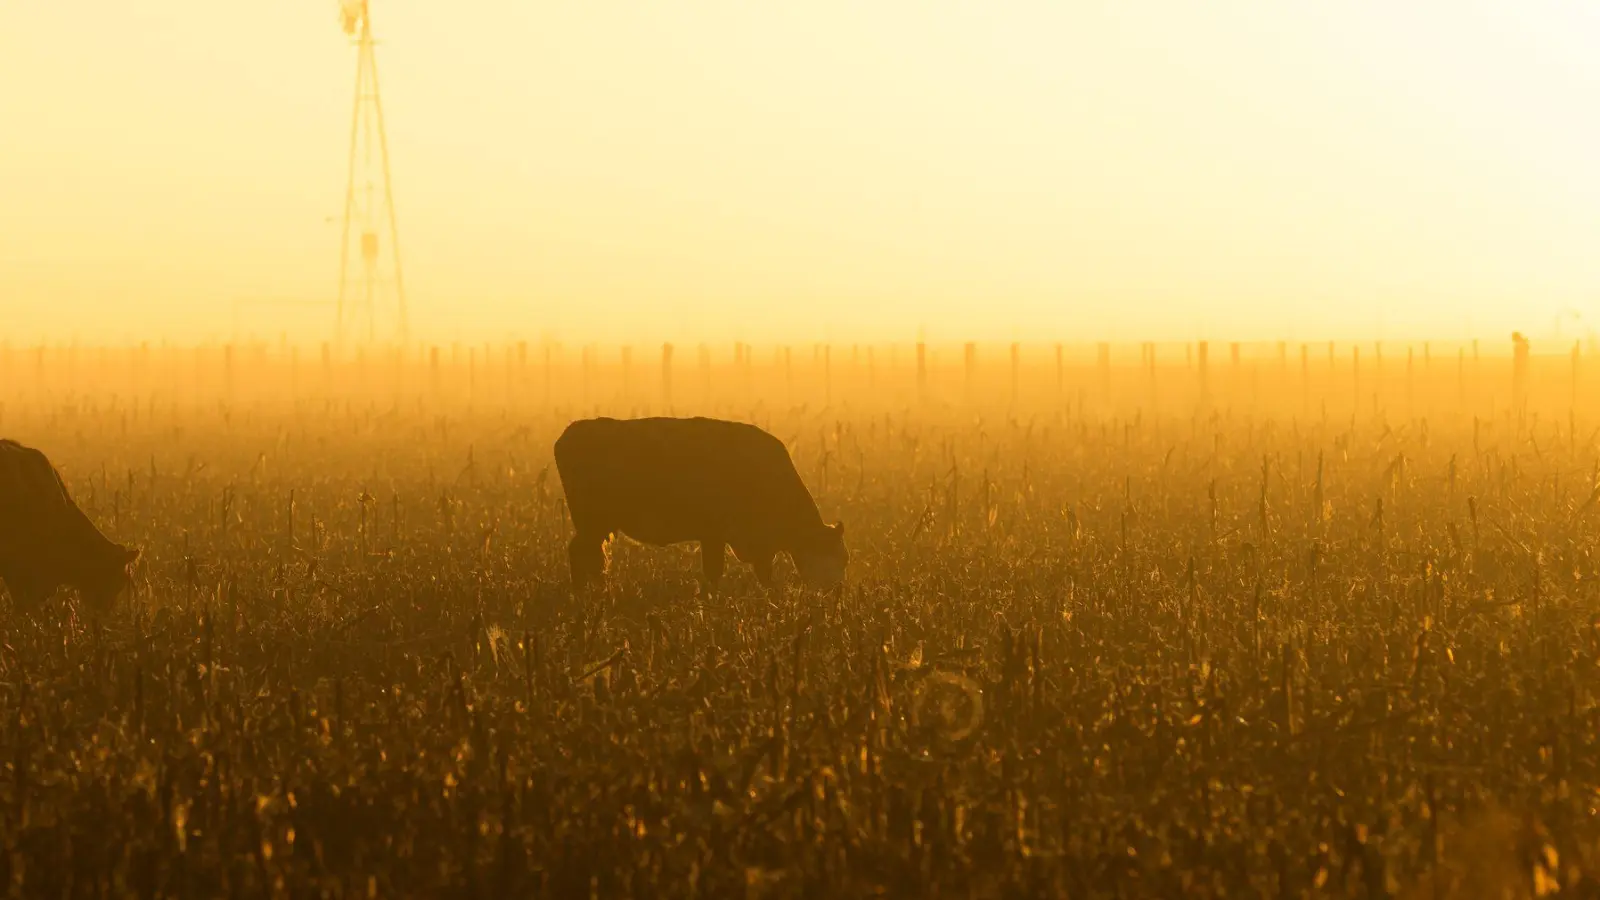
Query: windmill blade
column 351, row 12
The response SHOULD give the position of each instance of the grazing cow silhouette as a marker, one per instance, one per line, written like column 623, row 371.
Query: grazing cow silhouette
column 668, row 480
column 45, row 539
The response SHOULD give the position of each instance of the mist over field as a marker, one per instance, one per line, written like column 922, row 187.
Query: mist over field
column 1259, row 627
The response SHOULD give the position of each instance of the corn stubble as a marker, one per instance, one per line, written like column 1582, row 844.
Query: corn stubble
column 1114, row 647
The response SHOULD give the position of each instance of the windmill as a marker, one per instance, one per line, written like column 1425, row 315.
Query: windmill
column 363, row 208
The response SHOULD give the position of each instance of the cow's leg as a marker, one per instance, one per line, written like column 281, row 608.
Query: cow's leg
column 712, row 556
column 27, row 594
column 586, row 556
column 759, row 557
column 763, row 566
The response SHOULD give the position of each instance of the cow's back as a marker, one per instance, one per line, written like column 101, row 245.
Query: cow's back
column 33, row 499
column 40, row 525
column 663, row 480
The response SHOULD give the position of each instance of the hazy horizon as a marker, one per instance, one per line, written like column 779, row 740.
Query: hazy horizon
column 713, row 172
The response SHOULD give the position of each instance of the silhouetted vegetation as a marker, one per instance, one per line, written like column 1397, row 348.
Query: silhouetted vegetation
column 1091, row 644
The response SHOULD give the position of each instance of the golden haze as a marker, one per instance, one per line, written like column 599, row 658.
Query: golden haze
column 712, row 171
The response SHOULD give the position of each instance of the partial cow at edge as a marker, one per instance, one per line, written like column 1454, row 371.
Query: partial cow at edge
column 46, row 541
column 669, row 480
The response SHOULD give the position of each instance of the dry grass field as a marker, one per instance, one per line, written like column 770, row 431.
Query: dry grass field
column 1288, row 628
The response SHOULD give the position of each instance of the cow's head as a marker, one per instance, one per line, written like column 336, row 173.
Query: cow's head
column 821, row 563
column 108, row 577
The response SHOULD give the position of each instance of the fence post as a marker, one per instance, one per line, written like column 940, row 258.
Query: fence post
column 666, row 375
column 1355, row 374
column 970, row 354
column 827, row 374
column 1016, row 365
column 1105, row 372
column 922, row 371
column 705, row 375
column 1576, row 353
column 1519, row 373
column 627, row 373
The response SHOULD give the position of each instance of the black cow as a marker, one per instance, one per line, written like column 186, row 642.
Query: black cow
column 45, row 539
column 664, row 481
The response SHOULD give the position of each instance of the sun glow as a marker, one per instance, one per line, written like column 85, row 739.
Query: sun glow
column 1085, row 170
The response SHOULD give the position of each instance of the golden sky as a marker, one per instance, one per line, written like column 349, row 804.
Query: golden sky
column 1124, row 169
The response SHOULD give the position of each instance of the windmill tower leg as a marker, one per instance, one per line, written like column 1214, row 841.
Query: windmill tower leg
column 366, row 130
column 350, row 192
column 388, row 199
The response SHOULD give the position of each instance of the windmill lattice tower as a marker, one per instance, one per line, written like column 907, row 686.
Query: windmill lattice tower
column 362, row 206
